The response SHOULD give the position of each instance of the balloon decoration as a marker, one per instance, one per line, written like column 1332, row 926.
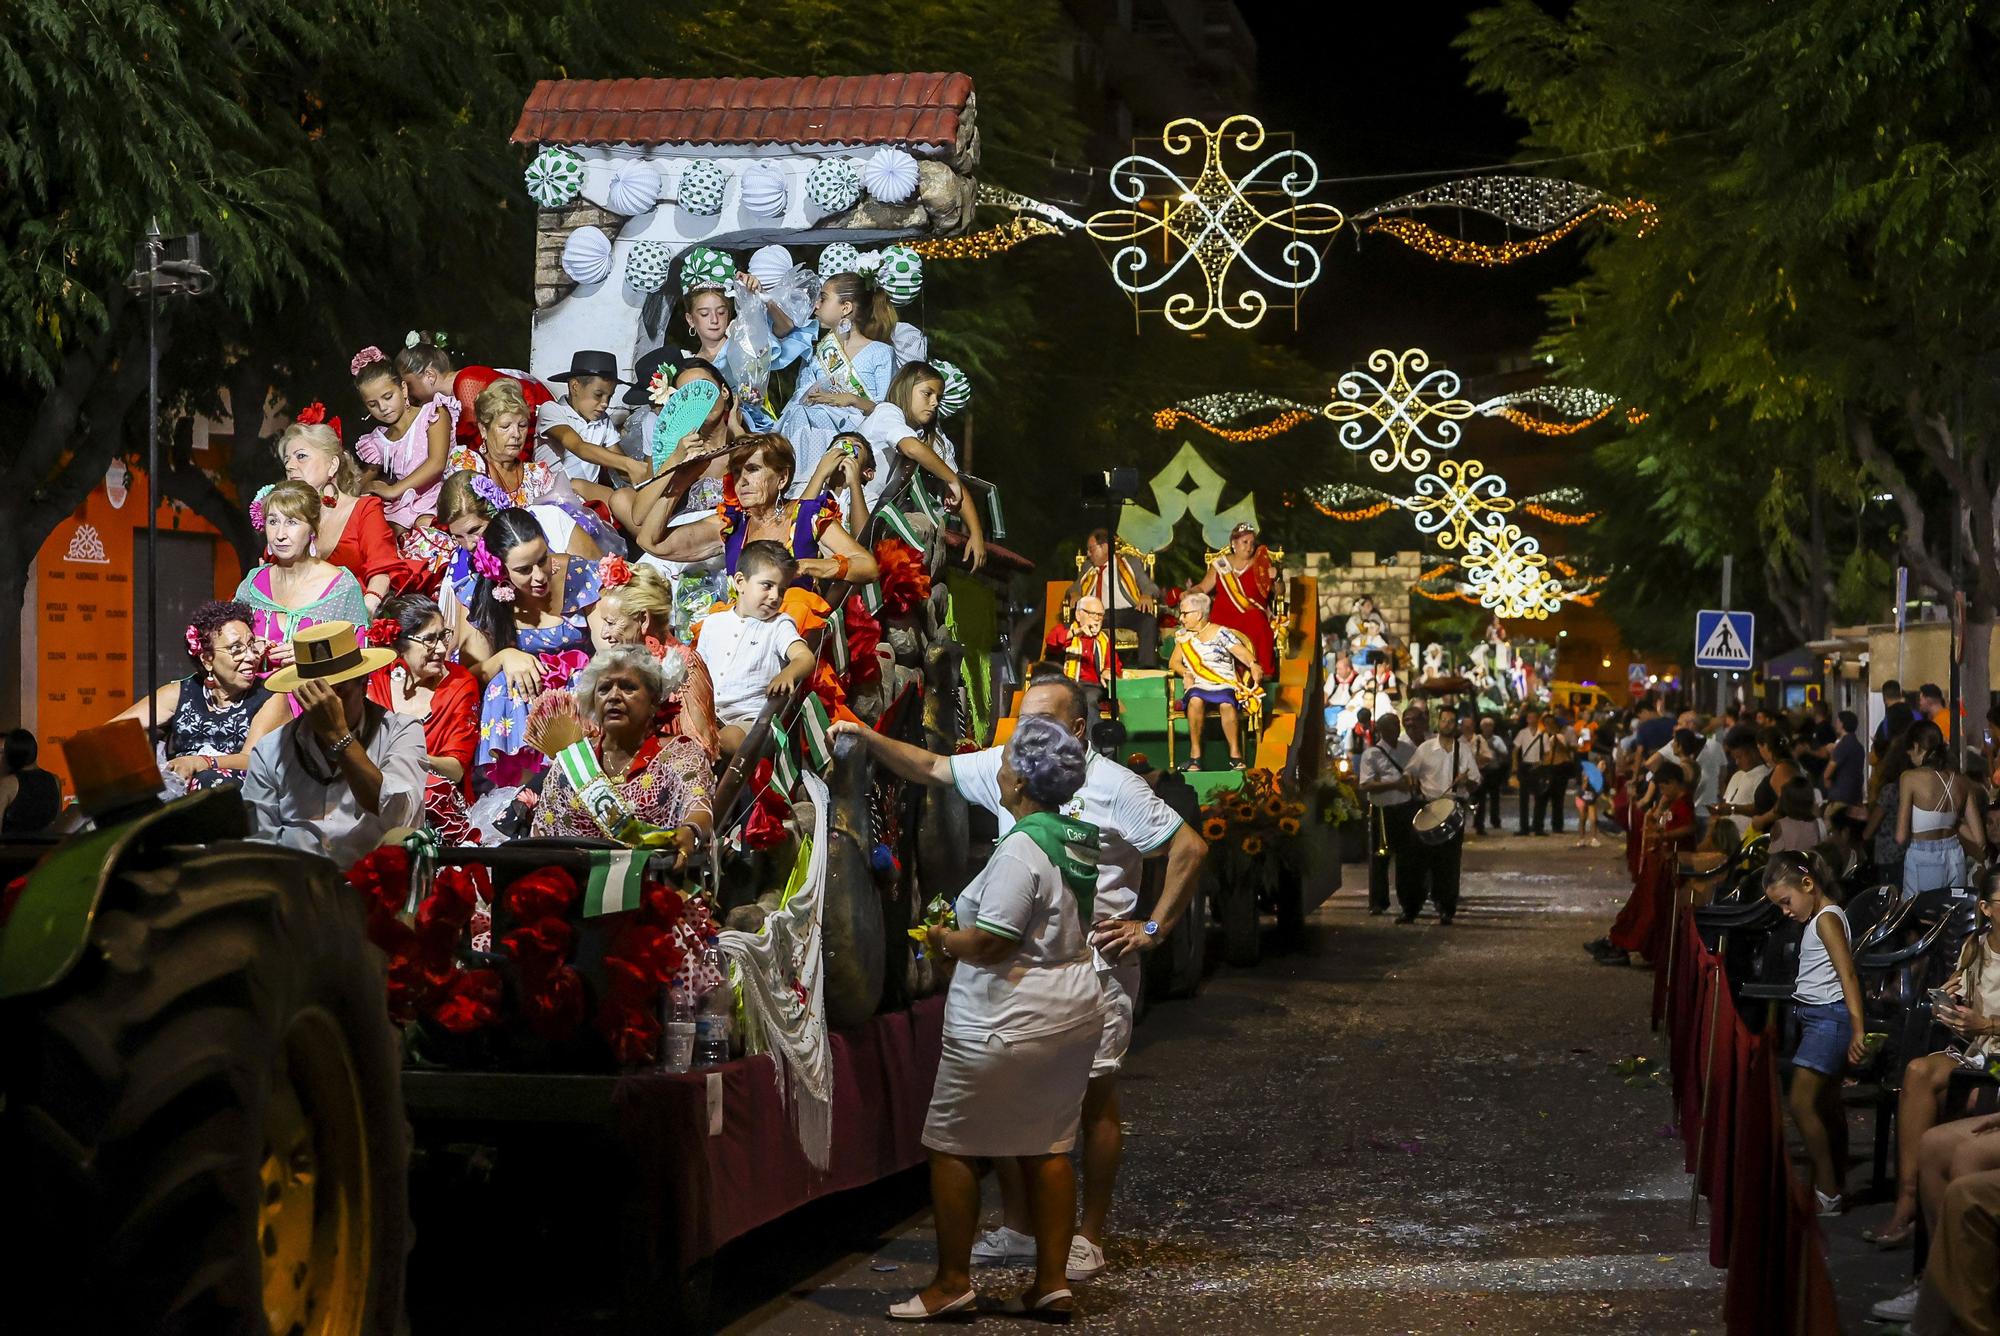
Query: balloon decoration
column 834, row 186
column 764, row 189
column 701, row 186
column 768, row 264
column 634, row 189
column 586, row 256
column 891, row 176
column 555, row 177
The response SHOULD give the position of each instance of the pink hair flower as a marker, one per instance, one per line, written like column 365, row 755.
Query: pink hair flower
column 490, row 569
column 257, row 505
column 193, row 642
column 366, row 357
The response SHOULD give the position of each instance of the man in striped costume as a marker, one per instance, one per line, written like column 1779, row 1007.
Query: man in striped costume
column 1127, row 592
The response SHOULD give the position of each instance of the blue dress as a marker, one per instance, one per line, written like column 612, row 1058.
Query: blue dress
column 811, row 427
column 563, row 650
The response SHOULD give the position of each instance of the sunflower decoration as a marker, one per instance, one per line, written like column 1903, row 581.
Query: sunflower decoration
column 1288, row 825
column 1253, row 845
column 1214, row 828
column 1273, row 806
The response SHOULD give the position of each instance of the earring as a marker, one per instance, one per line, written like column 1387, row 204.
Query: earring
column 329, row 497
column 312, row 546
column 846, row 327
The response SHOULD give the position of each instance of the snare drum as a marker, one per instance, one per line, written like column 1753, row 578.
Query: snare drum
column 1440, row 820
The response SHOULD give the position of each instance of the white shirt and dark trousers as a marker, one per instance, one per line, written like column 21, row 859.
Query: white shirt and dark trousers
column 1390, row 812
column 1442, row 768
column 1535, row 772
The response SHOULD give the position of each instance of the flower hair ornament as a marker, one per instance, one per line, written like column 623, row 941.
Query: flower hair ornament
column 193, row 642
column 257, row 505
column 491, row 492
column 368, row 356
column 613, row 573
column 314, row 415
column 435, row 339
column 385, row 632
column 492, row 570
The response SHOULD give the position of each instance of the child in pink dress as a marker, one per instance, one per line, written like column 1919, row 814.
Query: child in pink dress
column 406, row 455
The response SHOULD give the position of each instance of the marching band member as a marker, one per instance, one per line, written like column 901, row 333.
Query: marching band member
column 1445, row 765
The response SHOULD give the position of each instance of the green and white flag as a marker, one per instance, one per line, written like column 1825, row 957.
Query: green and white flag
column 871, row 597
column 896, row 522
column 813, row 724
column 784, row 761
column 616, row 880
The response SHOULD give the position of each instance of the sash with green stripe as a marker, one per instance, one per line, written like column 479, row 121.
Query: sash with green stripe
column 784, row 760
column 896, row 522
column 579, row 765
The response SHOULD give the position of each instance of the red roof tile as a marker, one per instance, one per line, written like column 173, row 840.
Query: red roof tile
column 846, row 109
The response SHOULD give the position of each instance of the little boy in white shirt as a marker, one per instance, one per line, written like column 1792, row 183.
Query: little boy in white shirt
column 753, row 651
column 576, row 432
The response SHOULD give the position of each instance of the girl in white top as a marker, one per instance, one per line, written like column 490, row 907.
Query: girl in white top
column 1939, row 818
column 1826, row 1000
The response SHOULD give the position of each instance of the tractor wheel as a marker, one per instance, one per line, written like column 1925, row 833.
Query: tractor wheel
column 1242, row 942
column 207, row 1113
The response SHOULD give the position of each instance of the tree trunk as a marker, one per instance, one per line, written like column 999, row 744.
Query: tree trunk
column 1975, row 678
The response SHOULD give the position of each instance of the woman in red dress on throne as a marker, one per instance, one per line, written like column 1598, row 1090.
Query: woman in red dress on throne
column 1240, row 583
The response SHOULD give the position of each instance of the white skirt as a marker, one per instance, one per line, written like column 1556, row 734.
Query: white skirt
column 996, row 1098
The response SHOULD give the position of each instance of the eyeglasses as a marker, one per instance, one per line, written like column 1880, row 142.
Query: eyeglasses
column 436, row 639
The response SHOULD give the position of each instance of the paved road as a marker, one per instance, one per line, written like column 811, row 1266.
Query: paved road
column 1397, row 1129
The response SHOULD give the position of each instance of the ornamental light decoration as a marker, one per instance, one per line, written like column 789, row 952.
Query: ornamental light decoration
column 1372, row 410
column 1201, row 243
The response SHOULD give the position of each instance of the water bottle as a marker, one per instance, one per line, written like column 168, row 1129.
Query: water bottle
column 711, row 1016
column 677, row 1024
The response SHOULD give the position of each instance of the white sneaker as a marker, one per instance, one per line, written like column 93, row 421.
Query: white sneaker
column 1086, row 1259
column 1003, row 1247
column 1902, row 1308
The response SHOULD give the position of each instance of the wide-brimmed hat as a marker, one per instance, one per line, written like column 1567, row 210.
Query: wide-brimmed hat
column 667, row 359
column 329, row 653
column 591, row 362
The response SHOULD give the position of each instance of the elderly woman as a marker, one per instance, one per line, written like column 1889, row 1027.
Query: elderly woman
column 660, row 779
column 210, row 719
column 1021, row 1025
column 294, row 589
column 1240, row 581
column 425, row 685
column 1206, row 656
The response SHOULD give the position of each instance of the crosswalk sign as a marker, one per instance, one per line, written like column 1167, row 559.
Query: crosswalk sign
column 1722, row 640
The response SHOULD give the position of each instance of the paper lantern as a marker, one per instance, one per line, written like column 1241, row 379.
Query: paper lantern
column 769, row 264
column 555, row 177
column 647, row 267
column 839, row 258
column 634, row 190
column 701, row 188
column 900, row 274
column 764, row 190
column 705, row 267
column 834, row 185
column 891, row 176
column 957, row 389
column 586, row 256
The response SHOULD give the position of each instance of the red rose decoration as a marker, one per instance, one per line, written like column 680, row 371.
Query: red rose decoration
column 864, row 633
column 541, row 946
column 384, row 632
column 541, row 894
column 471, row 1001
column 383, row 879
column 555, row 1005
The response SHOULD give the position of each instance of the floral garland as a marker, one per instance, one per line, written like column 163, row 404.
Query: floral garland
column 426, row 981
column 1260, row 810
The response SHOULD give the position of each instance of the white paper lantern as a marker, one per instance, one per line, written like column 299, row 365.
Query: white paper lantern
column 701, row 186
column 768, row 264
column 764, row 190
column 891, row 175
column 634, row 189
column 554, row 177
column 834, row 185
column 586, row 256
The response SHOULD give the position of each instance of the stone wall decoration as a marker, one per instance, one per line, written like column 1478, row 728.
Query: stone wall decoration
column 634, row 189
column 649, row 264
column 586, row 256
column 764, row 189
column 701, row 186
column 891, row 175
column 555, row 177
column 900, row 274
column 834, row 185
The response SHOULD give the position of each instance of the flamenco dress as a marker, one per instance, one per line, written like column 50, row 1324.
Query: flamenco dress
column 542, row 485
column 368, row 548
column 811, row 427
column 563, row 650
column 1241, row 602
column 451, row 729
column 199, row 727
column 338, row 601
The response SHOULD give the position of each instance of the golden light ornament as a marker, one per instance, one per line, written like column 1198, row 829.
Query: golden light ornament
column 1204, row 241
column 1543, row 427
column 1457, row 495
column 1388, row 406
column 1507, row 572
column 1562, row 517
column 992, row 241
column 1278, row 426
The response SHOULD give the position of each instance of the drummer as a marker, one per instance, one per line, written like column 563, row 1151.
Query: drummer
column 1382, row 773
column 1446, row 768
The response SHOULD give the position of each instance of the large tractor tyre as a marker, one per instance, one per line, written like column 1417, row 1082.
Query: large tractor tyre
column 1187, row 949
column 205, row 1119
column 1242, row 942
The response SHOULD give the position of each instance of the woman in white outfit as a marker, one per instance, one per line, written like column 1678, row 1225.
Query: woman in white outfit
column 1021, row 1027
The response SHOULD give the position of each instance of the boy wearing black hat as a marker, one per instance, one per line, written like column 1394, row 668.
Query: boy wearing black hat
column 576, row 432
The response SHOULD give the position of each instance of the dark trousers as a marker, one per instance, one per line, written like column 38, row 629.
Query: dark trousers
column 1486, row 799
column 1148, row 628
column 1542, row 789
column 1437, row 867
column 1555, row 788
column 1395, row 847
column 1530, row 777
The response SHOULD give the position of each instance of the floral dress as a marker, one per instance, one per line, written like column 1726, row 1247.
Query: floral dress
column 201, row 728
column 563, row 650
column 811, row 427
column 538, row 482
column 272, row 621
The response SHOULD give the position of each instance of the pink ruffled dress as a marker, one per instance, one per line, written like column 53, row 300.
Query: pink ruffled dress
column 399, row 457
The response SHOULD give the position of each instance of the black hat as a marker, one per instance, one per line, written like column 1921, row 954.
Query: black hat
column 667, row 358
column 590, row 362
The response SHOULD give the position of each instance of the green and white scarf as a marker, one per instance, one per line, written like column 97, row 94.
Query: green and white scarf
column 1072, row 846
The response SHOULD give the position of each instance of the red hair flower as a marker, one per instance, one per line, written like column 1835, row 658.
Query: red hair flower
column 314, row 414
column 613, row 573
column 385, row 632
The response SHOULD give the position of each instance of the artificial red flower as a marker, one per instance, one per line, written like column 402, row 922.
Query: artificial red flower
column 633, row 1033
column 664, row 905
column 613, row 573
column 383, row 879
column 540, row 946
column 904, row 581
column 384, row 632
column 470, row 1001
column 314, row 413
column 554, row 1005
column 540, row 894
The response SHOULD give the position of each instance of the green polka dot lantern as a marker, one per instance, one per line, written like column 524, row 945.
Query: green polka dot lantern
column 648, row 265
column 834, row 186
column 957, row 389
column 701, row 187
column 555, row 177
column 901, row 274
column 839, row 258
column 706, row 267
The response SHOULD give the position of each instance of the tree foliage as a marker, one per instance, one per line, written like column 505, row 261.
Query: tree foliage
column 1809, row 318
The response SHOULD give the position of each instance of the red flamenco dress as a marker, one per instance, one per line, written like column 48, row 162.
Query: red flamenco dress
column 368, row 548
column 1242, row 602
column 451, row 730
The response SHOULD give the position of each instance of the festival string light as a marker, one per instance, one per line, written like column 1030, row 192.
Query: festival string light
column 1196, row 240
column 1351, row 502
column 1230, row 405
column 1536, row 203
column 1428, row 409
column 1000, row 198
column 1562, row 517
column 1422, row 237
column 1354, row 516
column 1278, row 426
column 992, row 241
column 1543, row 427
column 1507, row 572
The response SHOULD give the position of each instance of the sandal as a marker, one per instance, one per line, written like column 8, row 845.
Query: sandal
column 1238, row 763
column 912, row 1309
column 1041, row 1309
column 1188, row 767
column 1888, row 1240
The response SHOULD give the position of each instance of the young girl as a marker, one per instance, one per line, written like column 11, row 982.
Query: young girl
column 1826, row 1000
column 906, row 423
column 406, row 454
column 848, row 371
column 1798, row 825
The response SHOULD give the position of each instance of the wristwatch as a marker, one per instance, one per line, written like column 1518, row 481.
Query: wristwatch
column 1151, row 928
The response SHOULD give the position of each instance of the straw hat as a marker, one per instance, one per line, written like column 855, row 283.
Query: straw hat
column 328, row 653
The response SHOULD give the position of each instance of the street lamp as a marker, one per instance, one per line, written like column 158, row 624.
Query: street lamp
column 162, row 267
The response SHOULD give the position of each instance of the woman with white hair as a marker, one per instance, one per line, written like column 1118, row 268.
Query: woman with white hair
column 663, row 780
column 1206, row 656
column 1021, row 1026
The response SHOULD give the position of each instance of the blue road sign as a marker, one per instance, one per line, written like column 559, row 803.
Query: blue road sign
column 1722, row 640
